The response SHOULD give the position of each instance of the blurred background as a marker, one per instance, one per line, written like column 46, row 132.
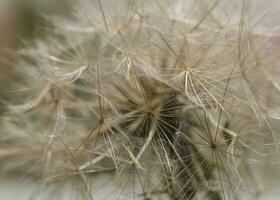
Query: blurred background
column 21, row 23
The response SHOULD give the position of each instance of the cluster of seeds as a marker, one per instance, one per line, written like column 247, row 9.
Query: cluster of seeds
column 155, row 96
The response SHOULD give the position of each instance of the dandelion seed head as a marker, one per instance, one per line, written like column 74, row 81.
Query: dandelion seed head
column 156, row 99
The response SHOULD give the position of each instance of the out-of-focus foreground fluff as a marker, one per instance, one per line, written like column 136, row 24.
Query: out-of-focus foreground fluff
column 135, row 99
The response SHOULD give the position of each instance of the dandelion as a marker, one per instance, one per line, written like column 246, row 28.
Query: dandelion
column 143, row 100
